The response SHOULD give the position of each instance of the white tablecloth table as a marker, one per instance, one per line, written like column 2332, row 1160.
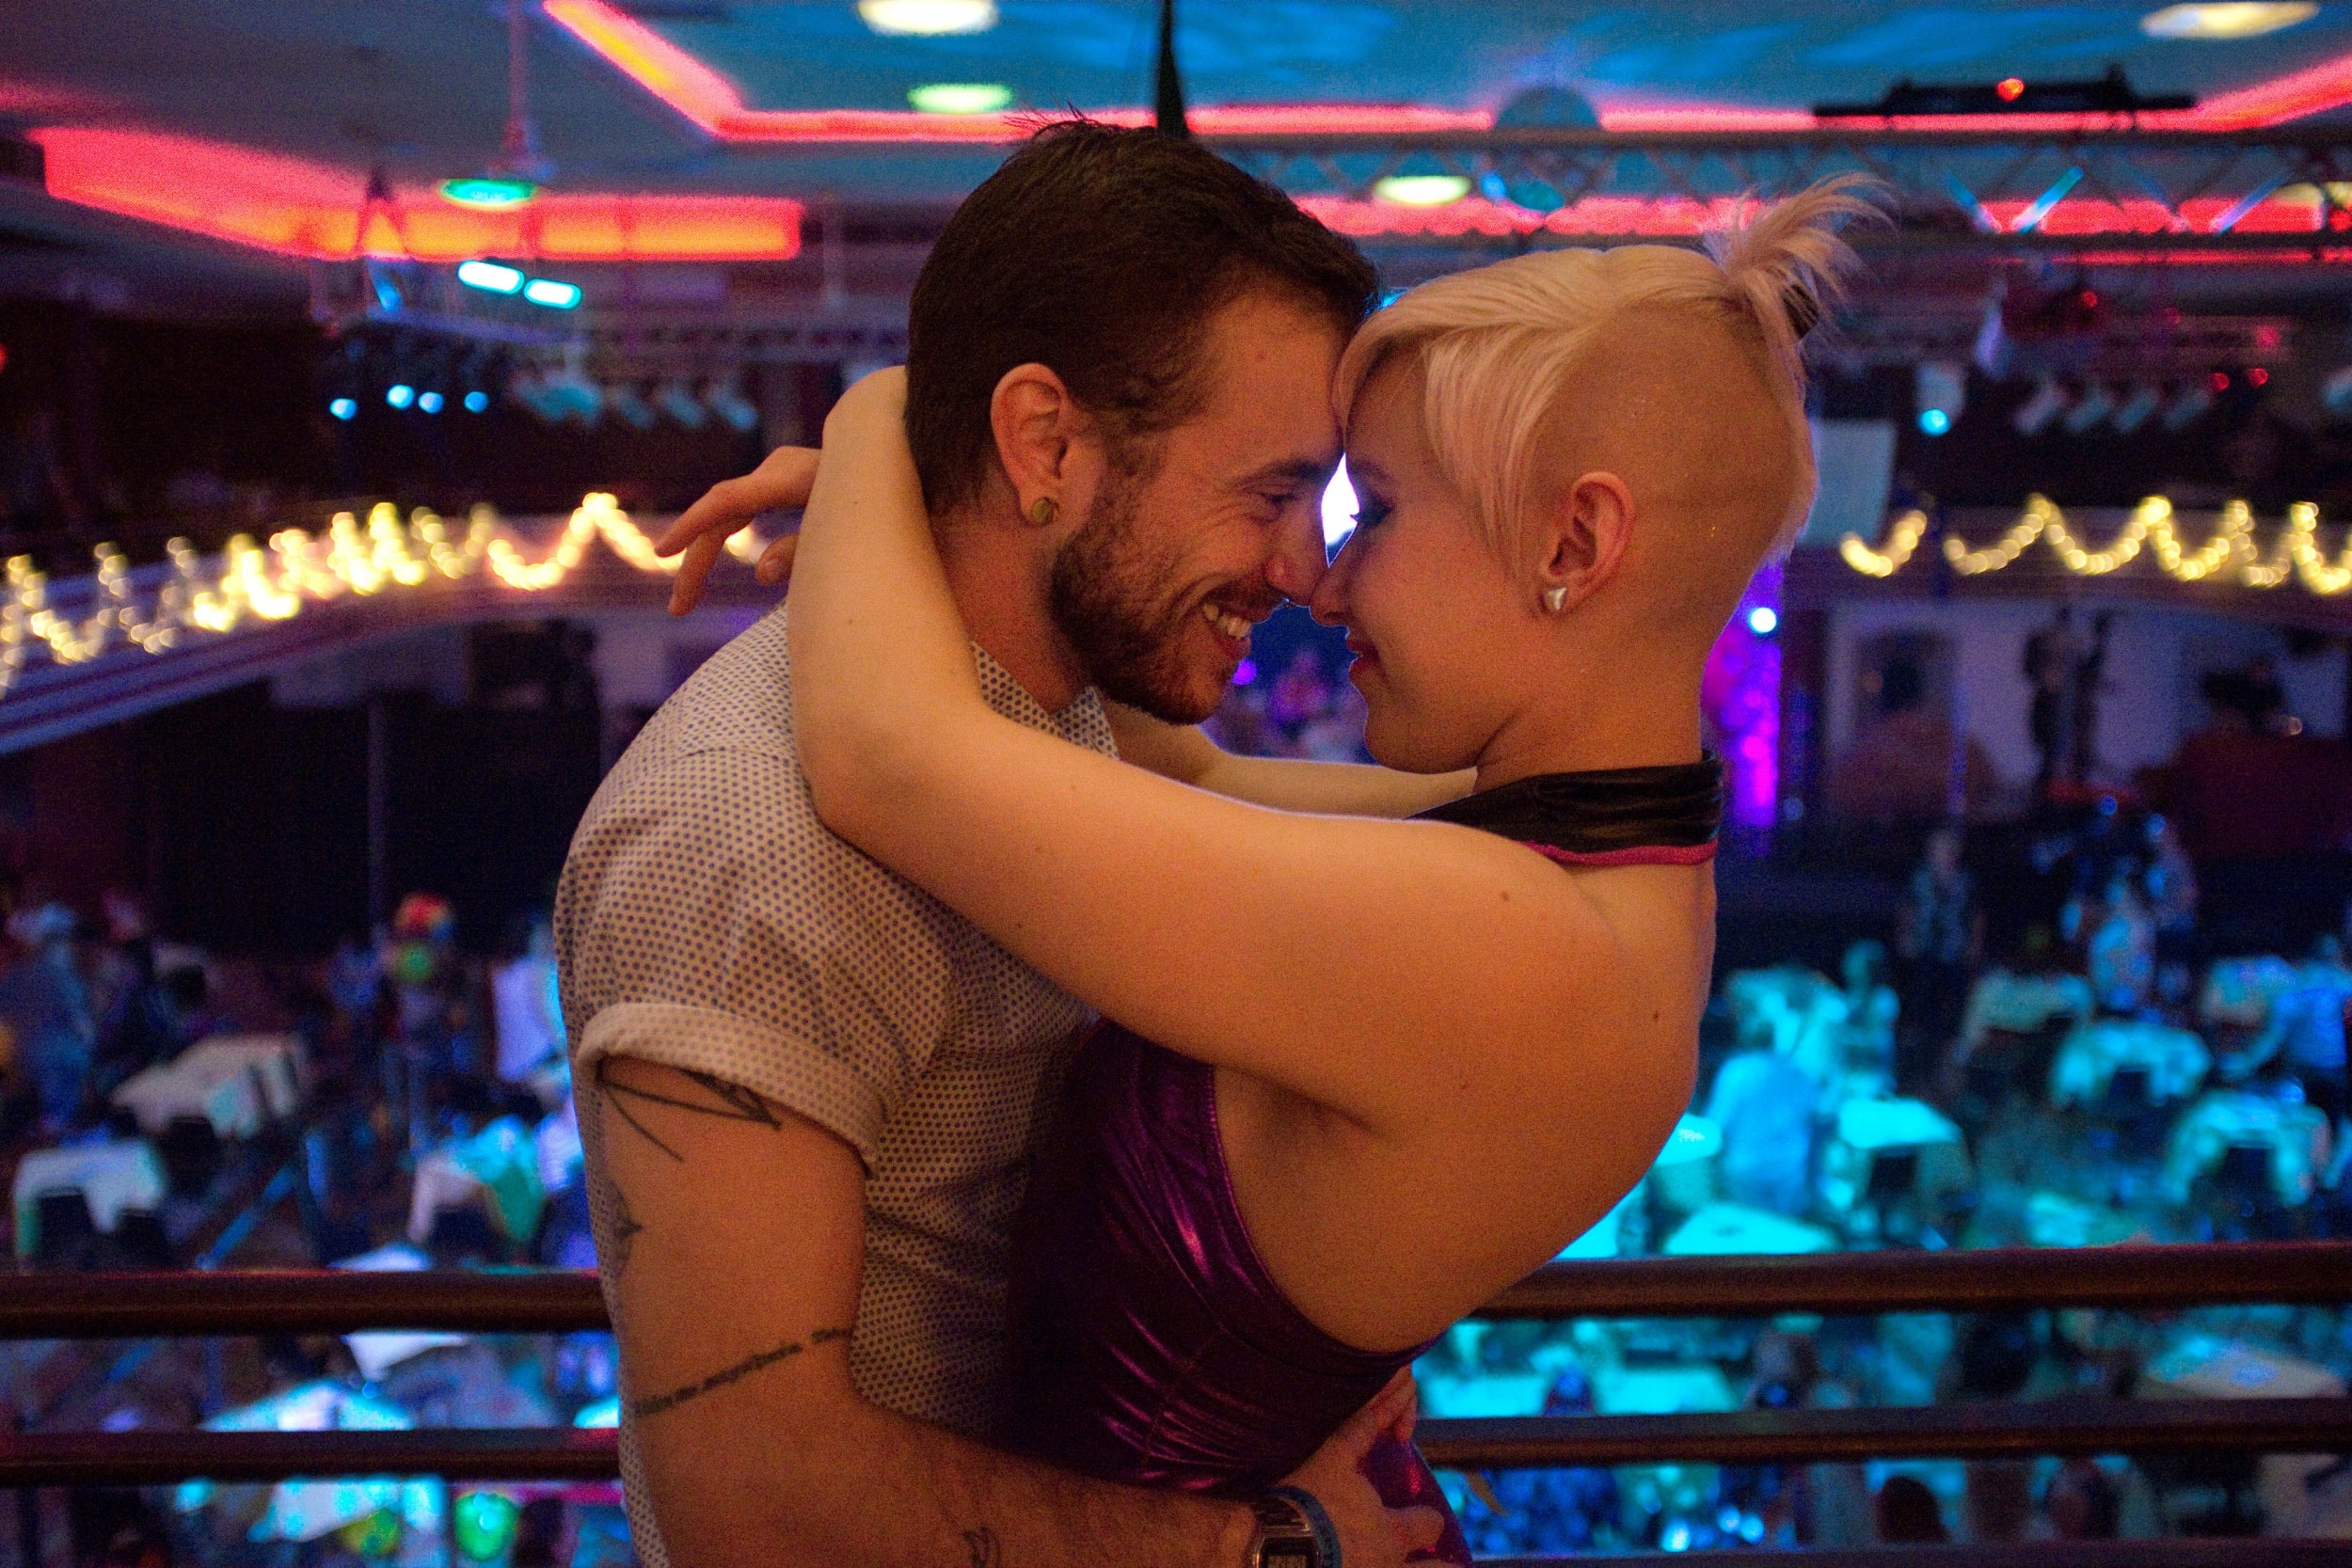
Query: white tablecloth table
column 1869, row 1127
column 116, row 1176
column 1729, row 1230
column 2176, row 1061
column 238, row 1083
column 2298, row 1137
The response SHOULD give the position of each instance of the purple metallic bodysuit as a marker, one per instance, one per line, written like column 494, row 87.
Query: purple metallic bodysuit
column 1147, row 1343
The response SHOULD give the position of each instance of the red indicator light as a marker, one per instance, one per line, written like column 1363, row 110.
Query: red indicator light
column 2011, row 90
column 2090, row 299
column 2258, row 376
column 2220, row 381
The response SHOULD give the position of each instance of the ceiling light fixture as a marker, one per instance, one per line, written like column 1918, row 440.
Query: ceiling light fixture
column 1422, row 190
column 490, row 277
column 554, row 296
column 2231, row 18
column 960, row 98
column 488, row 192
column 926, row 18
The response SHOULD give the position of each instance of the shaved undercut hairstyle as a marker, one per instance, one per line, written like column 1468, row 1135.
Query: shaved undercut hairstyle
column 1499, row 345
column 1100, row 253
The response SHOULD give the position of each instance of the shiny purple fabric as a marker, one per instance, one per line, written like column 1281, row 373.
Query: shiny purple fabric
column 1149, row 1344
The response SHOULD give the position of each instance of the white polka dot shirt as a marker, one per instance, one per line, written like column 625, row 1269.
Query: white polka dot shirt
column 707, row 920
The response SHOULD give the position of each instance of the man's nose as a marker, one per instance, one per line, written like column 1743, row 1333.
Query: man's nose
column 1297, row 564
column 1328, row 605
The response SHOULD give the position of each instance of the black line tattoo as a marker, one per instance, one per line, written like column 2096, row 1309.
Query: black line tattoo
column 739, row 1103
column 744, row 1368
column 981, row 1543
column 626, row 1227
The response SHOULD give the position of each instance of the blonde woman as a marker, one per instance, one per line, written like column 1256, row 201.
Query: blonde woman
column 1361, row 1074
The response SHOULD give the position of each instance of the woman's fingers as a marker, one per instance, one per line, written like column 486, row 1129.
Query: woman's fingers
column 775, row 562
column 780, row 484
column 694, row 572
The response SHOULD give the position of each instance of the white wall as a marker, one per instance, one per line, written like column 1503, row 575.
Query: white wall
column 2156, row 659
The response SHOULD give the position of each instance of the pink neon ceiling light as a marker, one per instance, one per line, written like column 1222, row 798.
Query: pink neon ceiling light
column 712, row 102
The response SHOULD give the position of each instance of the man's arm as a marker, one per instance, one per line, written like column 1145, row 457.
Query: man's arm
column 1183, row 752
column 738, row 1228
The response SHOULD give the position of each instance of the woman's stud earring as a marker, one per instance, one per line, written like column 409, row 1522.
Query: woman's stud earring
column 1043, row 509
column 1554, row 599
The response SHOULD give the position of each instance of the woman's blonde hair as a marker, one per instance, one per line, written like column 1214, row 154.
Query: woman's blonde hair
column 1498, row 343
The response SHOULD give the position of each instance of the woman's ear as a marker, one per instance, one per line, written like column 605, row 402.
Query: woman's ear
column 1588, row 528
column 1036, row 423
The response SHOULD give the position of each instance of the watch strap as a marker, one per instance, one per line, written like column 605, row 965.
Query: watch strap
column 1318, row 1522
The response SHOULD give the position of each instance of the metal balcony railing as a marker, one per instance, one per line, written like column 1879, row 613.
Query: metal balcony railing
column 110, row 1306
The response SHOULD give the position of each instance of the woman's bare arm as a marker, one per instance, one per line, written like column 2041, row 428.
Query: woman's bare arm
column 1183, row 752
column 1245, row 937
column 1178, row 751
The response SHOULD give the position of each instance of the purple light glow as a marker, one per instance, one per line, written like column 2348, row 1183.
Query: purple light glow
column 1246, row 672
column 1740, row 705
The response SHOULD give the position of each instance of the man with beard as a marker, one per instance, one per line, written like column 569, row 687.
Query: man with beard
column 808, row 1091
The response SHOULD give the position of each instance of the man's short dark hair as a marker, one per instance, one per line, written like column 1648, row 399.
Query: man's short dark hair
column 1100, row 253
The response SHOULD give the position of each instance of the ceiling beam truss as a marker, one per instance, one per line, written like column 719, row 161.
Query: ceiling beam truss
column 2142, row 193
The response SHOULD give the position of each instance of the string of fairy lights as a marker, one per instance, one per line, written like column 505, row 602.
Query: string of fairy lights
column 2229, row 554
column 251, row 584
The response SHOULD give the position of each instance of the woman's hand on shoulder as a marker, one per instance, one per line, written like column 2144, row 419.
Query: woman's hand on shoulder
column 780, row 484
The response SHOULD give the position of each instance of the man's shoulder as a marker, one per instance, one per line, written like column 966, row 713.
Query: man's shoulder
column 739, row 699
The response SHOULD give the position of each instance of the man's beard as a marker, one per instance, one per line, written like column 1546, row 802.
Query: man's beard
column 1113, row 599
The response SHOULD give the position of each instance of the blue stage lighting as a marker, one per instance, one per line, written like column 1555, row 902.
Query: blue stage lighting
column 1763, row 620
column 555, row 295
column 400, row 394
column 490, row 277
column 1934, row 420
column 477, row 402
column 344, row 408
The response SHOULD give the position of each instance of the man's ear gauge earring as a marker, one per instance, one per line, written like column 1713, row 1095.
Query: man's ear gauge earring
column 1554, row 599
column 1043, row 509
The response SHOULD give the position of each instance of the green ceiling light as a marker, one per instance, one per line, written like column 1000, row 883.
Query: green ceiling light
column 2229, row 19
column 960, row 98
column 1422, row 190
column 926, row 18
column 488, row 192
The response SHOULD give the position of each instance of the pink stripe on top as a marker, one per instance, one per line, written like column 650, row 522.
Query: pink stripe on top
column 1641, row 854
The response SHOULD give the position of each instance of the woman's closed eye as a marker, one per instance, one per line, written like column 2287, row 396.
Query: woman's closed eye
column 1370, row 511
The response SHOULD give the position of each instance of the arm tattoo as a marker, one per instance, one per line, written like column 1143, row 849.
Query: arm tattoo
column 744, row 1368
column 982, row 1544
column 625, row 1225
column 736, row 1104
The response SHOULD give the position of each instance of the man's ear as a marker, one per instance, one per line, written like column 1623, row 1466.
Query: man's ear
column 1036, row 423
column 1586, row 532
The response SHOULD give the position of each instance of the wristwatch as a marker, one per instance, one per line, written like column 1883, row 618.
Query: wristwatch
column 1292, row 1531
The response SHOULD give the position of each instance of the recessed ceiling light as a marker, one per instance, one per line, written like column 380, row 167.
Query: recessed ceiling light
column 487, row 193
column 928, row 18
column 960, row 98
column 1422, row 190
column 2227, row 19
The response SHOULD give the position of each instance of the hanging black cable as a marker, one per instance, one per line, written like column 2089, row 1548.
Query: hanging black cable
column 1168, row 99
